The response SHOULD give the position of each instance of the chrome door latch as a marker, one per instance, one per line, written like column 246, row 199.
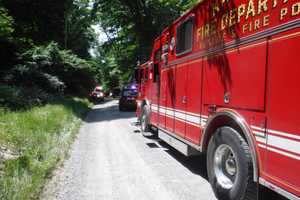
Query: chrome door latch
column 227, row 98
column 184, row 99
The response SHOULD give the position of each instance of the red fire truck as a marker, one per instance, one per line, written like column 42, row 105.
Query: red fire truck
column 224, row 80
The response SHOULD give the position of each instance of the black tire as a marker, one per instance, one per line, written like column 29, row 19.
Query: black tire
column 229, row 156
column 121, row 107
column 145, row 119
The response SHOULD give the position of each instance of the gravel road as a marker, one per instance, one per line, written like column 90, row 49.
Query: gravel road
column 110, row 159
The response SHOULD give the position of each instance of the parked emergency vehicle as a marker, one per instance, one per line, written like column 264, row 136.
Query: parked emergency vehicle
column 224, row 79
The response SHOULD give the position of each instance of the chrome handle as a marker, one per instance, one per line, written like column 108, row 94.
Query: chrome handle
column 184, row 99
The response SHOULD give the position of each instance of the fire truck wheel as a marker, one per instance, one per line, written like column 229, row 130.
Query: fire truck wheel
column 229, row 166
column 145, row 127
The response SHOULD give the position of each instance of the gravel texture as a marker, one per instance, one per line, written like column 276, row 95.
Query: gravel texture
column 110, row 159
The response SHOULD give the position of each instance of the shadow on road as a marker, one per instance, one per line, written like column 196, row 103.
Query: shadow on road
column 197, row 165
column 108, row 113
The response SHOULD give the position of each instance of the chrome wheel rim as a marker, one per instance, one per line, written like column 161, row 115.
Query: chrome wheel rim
column 225, row 166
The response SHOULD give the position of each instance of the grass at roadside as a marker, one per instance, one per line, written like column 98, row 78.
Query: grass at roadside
column 39, row 138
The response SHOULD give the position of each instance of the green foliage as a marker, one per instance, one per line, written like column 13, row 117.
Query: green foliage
column 7, row 48
column 41, row 21
column 45, row 71
column 34, row 69
column 131, row 27
column 30, row 26
column 6, row 24
column 67, row 22
column 40, row 138
column 19, row 97
column 79, row 36
column 77, row 74
column 44, row 44
column 42, row 56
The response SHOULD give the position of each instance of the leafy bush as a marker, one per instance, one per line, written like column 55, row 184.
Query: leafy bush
column 28, row 76
column 7, row 46
column 61, row 68
column 20, row 97
column 76, row 73
column 6, row 24
column 43, row 56
column 10, row 96
column 45, row 70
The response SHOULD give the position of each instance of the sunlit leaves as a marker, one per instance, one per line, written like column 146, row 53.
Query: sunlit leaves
column 6, row 24
column 132, row 25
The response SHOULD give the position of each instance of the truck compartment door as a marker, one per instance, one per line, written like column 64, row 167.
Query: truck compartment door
column 180, row 99
column 283, row 133
column 170, row 94
column 194, row 95
column 162, row 100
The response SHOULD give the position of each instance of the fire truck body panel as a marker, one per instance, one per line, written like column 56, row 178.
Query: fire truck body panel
column 233, row 69
column 154, row 87
column 283, row 130
column 193, row 107
column 162, row 101
column 239, row 70
column 170, row 95
column 180, row 100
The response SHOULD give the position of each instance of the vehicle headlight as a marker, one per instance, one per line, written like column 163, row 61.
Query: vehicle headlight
column 98, row 95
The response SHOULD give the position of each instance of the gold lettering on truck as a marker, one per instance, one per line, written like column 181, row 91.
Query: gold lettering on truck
column 296, row 9
column 266, row 20
column 224, row 21
column 275, row 2
column 250, row 9
column 215, row 9
column 245, row 28
column 224, row 18
column 206, row 32
column 256, row 24
column 232, row 17
column 241, row 11
column 283, row 12
column 262, row 6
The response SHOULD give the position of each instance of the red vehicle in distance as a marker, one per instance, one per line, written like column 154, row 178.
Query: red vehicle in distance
column 223, row 80
column 97, row 95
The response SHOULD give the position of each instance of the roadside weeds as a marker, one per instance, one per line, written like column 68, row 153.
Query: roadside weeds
column 34, row 142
